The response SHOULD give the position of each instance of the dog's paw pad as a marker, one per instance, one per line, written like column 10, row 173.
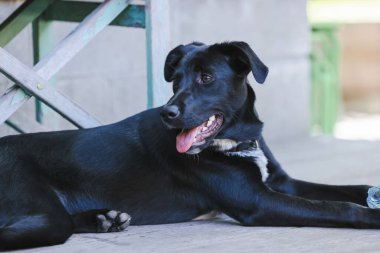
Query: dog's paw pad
column 112, row 221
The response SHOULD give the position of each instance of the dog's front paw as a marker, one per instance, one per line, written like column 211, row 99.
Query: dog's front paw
column 373, row 199
column 112, row 221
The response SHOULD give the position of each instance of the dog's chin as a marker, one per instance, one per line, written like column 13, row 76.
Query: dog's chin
column 195, row 139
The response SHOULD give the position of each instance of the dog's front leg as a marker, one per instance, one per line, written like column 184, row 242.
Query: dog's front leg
column 277, row 209
column 237, row 188
column 347, row 193
column 280, row 181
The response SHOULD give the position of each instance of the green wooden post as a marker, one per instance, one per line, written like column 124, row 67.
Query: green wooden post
column 43, row 43
column 325, row 98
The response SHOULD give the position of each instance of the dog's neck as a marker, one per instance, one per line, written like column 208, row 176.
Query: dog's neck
column 245, row 125
column 244, row 132
column 243, row 136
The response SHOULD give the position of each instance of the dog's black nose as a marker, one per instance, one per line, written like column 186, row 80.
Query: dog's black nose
column 170, row 112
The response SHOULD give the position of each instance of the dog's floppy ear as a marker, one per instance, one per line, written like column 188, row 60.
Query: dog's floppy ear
column 172, row 61
column 174, row 58
column 244, row 60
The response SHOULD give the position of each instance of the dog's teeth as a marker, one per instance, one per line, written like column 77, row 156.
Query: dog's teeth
column 209, row 123
column 204, row 128
column 212, row 118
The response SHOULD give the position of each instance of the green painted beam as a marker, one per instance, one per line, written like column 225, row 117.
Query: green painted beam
column 132, row 16
column 325, row 91
column 43, row 43
column 20, row 18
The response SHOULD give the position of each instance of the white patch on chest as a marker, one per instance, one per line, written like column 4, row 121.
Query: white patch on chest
column 259, row 157
column 223, row 145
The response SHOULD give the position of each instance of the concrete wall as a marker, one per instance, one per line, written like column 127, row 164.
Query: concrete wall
column 108, row 78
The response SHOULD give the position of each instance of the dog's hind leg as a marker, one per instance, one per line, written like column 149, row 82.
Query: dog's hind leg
column 31, row 214
column 100, row 221
column 36, row 230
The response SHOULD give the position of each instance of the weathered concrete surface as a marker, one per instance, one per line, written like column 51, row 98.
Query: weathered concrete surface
column 222, row 237
column 320, row 160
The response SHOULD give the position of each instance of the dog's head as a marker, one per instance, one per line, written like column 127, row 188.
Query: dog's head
column 210, row 90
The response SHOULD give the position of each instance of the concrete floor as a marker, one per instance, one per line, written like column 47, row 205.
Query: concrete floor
column 318, row 159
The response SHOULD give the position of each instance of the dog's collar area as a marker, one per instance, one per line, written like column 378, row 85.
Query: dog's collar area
column 247, row 145
column 228, row 145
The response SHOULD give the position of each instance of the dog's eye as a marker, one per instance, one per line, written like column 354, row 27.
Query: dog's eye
column 206, row 78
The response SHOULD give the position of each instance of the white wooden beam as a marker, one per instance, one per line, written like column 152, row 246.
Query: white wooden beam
column 157, row 27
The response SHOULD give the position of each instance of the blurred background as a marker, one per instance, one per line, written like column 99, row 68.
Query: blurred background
column 345, row 58
column 323, row 56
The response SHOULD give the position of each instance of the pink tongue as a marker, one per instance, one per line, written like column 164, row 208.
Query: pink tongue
column 185, row 139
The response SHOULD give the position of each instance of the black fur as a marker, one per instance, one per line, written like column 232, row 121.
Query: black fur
column 59, row 183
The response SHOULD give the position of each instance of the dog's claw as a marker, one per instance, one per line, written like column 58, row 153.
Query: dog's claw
column 112, row 221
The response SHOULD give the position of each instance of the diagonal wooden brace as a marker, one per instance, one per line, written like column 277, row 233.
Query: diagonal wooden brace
column 19, row 19
column 95, row 22
column 31, row 82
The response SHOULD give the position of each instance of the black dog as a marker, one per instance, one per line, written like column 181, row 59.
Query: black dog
column 200, row 152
